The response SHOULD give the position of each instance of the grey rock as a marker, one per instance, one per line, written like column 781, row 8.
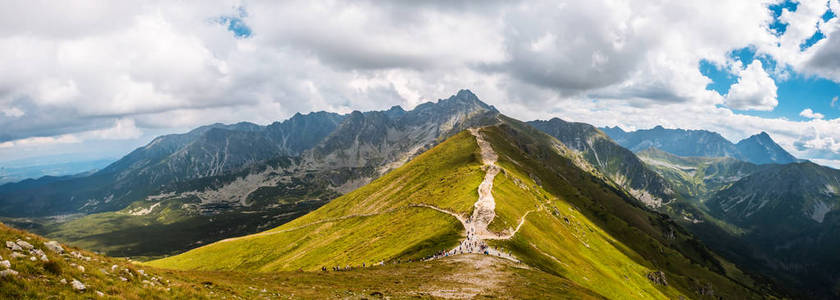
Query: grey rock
column 54, row 246
column 24, row 244
column 14, row 247
column 77, row 285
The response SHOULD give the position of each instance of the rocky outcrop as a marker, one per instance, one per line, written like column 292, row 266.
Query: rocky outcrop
column 54, row 246
column 657, row 277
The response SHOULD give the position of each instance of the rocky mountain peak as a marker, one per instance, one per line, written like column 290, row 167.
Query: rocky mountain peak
column 465, row 98
column 761, row 148
column 395, row 111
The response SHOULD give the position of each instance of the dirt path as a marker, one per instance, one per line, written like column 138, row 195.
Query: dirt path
column 510, row 235
column 485, row 210
column 485, row 207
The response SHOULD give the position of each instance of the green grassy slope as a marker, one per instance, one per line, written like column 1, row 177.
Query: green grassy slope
column 375, row 223
column 592, row 234
column 449, row 277
column 575, row 225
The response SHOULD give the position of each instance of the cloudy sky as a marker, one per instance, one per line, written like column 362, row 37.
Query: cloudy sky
column 96, row 79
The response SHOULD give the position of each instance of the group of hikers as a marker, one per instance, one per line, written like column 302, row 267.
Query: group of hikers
column 348, row 267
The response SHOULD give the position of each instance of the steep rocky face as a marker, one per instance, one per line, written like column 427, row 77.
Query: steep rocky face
column 617, row 163
column 678, row 141
column 205, row 151
column 758, row 149
column 795, row 192
column 697, row 178
column 789, row 215
column 385, row 140
column 613, row 132
column 211, row 150
column 761, row 149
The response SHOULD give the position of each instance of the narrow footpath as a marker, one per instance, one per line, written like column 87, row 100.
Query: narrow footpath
column 484, row 212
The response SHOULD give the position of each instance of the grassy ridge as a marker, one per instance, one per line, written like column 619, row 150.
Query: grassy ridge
column 560, row 240
column 607, row 236
column 374, row 223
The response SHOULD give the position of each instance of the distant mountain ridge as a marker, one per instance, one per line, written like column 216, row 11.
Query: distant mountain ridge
column 617, row 163
column 321, row 139
column 696, row 177
column 758, row 149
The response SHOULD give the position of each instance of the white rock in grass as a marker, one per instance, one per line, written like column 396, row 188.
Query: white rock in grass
column 14, row 247
column 32, row 258
column 123, row 278
column 63, row 281
column 77, row 285
column 25, row 245
column 6, row 264
column 54, row 246
column 81, row 268
column 8, row 272
column 100, row 294
column 17, row 255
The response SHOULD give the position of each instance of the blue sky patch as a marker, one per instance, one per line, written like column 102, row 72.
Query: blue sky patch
column 721, row 78
column 795, row 93
column 828, row 15
column 777, row 26
column 237, row 26
column 235, row 23
column 812, row 40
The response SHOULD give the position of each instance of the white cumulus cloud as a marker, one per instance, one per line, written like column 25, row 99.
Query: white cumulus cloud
column 163, row 66
column 810, row 114
column 755, row 90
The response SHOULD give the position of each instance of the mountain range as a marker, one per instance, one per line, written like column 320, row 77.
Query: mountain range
column 219, row 181
column 658, row 213
column 758, row 149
